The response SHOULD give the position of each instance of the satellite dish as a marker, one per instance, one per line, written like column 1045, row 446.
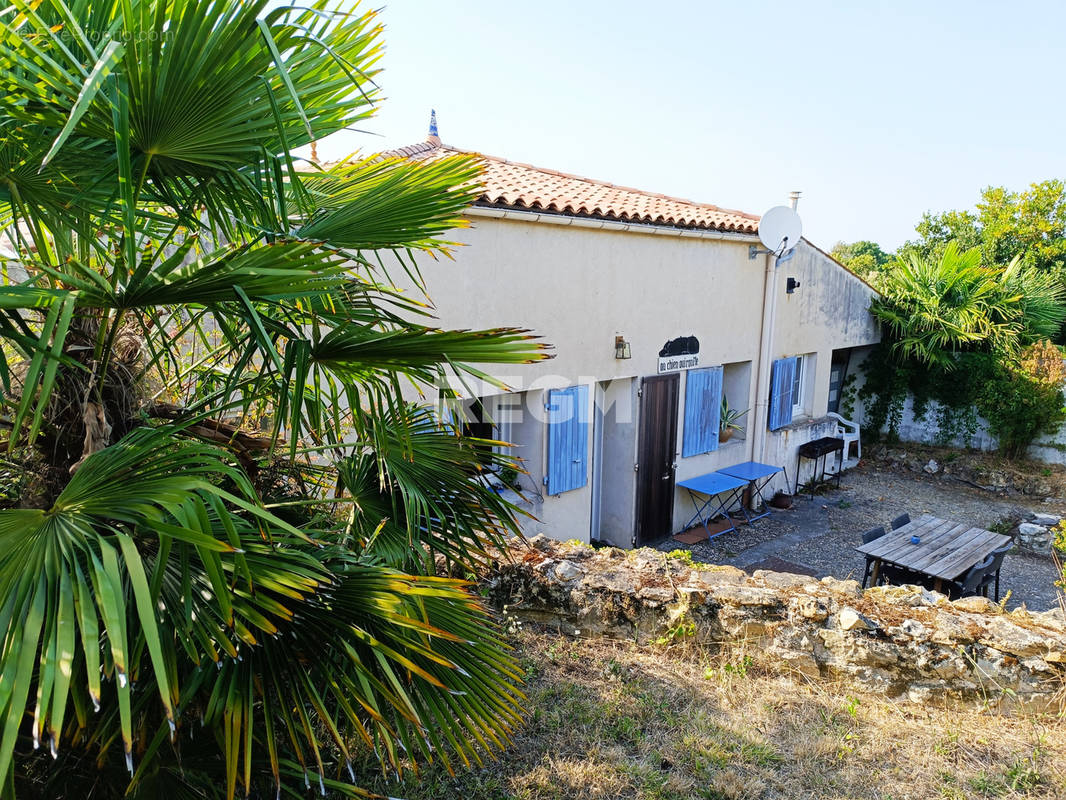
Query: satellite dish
column 780, row 229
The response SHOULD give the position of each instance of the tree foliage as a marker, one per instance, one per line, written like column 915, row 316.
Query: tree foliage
column 1029, row 225
column 937, row 231
column 220, row 573
column 864, row 258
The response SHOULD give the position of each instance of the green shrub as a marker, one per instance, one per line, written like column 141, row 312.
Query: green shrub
column 1023, row 399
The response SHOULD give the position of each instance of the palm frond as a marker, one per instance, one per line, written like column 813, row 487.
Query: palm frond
column 936, row 308
column 421, row 492
column 236, row 518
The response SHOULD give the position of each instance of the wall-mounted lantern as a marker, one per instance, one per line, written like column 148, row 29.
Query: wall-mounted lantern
column 621, row 348
column 791, row 285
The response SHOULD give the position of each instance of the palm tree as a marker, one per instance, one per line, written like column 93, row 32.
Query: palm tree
column 1042, row 298
column 220, row 543
column 937, row 307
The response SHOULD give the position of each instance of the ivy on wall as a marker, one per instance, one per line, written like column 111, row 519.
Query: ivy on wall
column 1020, row 397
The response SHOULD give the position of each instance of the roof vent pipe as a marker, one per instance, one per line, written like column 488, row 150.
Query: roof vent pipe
column 434, row 136
column 793, row 200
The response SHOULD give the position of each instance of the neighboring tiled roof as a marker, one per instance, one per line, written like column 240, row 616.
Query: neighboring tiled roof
column 524, row 187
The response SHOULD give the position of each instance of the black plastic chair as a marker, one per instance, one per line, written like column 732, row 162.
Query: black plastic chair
column 869, row 536
column 901, row 520
column 975, row 581
column 992, row 573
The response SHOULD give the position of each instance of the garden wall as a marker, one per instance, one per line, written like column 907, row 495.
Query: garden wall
column 902, row 641
column 1049, row 448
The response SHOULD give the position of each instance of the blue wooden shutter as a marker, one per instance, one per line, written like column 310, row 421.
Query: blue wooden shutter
column 703, row 411
column 781, row 377
column 567, row 439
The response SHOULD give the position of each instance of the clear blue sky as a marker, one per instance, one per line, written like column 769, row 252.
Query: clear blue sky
column 876, row 111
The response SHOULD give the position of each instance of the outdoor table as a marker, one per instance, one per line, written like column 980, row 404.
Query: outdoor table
column 946, row 550
column 714, row 485
column 757, row 476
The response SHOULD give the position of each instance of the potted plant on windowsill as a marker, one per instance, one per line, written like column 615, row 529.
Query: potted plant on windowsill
column 728, row 422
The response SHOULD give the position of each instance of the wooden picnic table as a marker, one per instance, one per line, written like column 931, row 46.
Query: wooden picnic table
column 946, row 551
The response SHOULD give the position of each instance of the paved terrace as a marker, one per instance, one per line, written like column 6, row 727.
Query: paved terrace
column 817, row 537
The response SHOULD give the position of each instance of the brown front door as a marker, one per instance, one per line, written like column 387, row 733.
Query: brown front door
column 655, row 457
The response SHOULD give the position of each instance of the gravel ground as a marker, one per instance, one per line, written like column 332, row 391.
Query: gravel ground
column 818, row 537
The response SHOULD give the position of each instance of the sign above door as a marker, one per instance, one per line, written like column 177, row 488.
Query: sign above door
column 680, row 353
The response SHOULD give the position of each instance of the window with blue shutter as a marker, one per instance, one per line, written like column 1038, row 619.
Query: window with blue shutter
column 567, row 439
column 703, row 411
column 782, row 376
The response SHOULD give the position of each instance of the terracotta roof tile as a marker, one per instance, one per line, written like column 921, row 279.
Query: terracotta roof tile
column 521, row 186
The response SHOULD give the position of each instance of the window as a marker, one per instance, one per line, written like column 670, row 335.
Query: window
column 782, row 383
column 798, row 406
column 736, row 393
column 478, row 426
column 703, row 411
column 568, row 442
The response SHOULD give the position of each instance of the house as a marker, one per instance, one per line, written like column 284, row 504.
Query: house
column 657, row 309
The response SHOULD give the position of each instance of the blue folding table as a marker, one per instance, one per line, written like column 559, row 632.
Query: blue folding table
column 714, row 485
column 757, row 476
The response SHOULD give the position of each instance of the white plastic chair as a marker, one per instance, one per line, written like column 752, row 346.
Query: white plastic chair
column 849, row 432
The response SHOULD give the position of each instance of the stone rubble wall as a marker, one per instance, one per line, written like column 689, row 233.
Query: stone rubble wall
column 903, row 641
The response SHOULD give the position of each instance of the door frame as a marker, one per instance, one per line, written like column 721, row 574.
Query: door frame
column 643, row 469
column 598, row 402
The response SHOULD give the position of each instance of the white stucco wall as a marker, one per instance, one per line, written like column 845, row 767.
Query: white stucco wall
column 579, row 287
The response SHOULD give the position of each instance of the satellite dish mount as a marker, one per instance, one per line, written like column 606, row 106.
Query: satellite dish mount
column 779, row 230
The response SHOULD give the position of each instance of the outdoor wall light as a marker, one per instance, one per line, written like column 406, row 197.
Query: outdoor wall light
column 621, row 348
column 791, row 285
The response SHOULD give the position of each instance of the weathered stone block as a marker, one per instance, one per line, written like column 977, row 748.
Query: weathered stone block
column 1011, row 638
column 814, row 609
column 656, row 594
column 949, row 630
column 914, row 629
column 780, row 580
column 1045, row 520
column 568, row 571
column 848, row 648
column 913, row 596
column 801, row 661
column 924, row 693
column 851, row 620
column 1036, row 538
column 722, row 574
column 976, row 604
column 745, row 596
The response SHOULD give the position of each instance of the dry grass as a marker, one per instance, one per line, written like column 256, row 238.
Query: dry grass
column 614, row 720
